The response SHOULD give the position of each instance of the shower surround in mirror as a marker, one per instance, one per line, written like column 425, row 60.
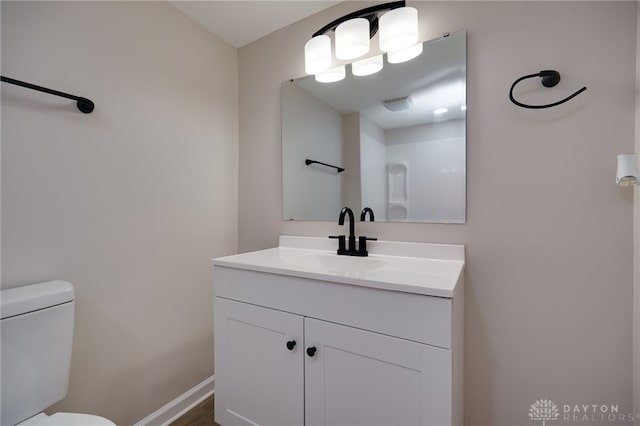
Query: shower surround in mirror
column 400, row 135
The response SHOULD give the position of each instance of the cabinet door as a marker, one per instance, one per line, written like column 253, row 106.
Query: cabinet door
column 356, row 377
column 259, row 380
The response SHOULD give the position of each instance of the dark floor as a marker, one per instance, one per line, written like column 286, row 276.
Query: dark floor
column 200, row 415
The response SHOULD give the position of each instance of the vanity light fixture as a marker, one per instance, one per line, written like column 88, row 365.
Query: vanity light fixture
column 628, row 173
column 404, row 55
column 332, row 75
column 317, row 54
column 367, row 66
column 398, row 29
column 352, row 38
column 398, row 26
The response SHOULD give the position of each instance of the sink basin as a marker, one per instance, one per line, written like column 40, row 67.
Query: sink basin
column 429, row 269
column 332, row 263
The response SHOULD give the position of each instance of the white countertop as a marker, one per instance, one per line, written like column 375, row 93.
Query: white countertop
column 421, row 268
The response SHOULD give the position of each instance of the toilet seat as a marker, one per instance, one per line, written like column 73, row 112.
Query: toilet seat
column 66, row 419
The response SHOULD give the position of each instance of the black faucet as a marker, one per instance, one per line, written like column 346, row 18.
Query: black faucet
column 362, row 241
column 352, row 227
column 363, row 214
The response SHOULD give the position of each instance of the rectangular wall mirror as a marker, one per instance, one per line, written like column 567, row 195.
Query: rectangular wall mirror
column 394, row 141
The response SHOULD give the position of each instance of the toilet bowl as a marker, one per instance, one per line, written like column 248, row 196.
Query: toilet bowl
column 36, row 329
column 66, row 419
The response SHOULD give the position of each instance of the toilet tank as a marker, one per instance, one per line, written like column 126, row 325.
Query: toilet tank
column 36, row 334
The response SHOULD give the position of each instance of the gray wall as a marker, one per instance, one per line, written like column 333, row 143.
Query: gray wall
column 314, row 131
column 128, row 203
column 636, row 243
column 549, row 235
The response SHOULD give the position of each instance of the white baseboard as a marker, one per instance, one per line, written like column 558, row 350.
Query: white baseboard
column 176, row 408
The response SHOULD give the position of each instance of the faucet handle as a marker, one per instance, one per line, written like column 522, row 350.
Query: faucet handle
column 341, row 243
column 362, row 245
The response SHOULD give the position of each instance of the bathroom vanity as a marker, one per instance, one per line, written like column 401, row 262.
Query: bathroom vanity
column 306, row 337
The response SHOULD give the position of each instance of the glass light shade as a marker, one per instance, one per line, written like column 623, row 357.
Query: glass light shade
column 405, row 54
column 398, row 29
column 352, row 38
column 317, row 54
column 332, row 75
column 367, row 66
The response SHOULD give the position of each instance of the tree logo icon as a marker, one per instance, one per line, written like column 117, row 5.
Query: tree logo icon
column 543, row 409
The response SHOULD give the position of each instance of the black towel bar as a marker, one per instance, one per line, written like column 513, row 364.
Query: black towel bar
column 308, row 162
column 83, row 104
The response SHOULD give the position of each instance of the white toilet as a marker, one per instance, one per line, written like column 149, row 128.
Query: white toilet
column 37, row 333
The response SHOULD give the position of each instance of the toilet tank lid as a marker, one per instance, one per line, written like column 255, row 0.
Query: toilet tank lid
column 29, row 298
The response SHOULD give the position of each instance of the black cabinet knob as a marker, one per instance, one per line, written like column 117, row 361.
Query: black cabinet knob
column 291, row 344
column 311, row 351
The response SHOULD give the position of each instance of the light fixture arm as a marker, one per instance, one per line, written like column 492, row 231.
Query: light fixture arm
column 369, row 13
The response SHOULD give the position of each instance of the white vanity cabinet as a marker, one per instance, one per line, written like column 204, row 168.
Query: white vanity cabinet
column 294, row 349
column 357, row 377
column 261, row 380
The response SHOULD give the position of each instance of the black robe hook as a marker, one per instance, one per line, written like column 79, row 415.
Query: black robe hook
column 549, row 79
